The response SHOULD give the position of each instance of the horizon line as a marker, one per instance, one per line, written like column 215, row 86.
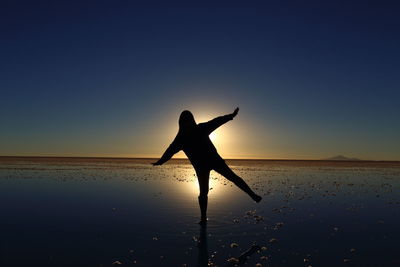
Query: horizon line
column 184, row 158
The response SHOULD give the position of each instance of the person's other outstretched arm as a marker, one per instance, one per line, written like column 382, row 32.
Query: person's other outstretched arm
column 173, row 148
column 213, row 124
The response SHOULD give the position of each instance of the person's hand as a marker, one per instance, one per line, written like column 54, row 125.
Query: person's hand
column 235, row 112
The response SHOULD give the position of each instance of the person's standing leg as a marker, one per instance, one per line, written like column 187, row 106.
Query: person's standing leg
column 225, row 171
column 203, row 176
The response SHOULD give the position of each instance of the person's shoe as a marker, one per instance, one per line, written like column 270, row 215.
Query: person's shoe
column 203, row 222
column 257, row 198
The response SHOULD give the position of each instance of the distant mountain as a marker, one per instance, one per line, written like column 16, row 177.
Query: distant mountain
column 341, row 157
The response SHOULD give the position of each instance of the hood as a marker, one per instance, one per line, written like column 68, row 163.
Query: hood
column 186, row 120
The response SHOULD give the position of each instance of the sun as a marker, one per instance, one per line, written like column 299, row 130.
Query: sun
column 192, row 187
column 214, row 137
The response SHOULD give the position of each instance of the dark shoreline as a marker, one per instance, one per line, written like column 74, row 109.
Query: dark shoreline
column 299, row 162
column 177, row 159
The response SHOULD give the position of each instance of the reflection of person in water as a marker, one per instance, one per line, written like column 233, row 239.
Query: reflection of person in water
column 194, row 140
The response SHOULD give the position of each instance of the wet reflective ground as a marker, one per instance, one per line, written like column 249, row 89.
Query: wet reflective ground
column 99, row 212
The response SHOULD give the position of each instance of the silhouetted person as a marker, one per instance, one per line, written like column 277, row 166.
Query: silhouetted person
column 194, row 140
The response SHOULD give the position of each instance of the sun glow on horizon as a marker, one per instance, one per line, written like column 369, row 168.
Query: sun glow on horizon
column 187, row 177
column 192, row 187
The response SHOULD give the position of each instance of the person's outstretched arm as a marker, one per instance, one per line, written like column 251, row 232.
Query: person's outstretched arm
column 213, row 124
column 173, row 148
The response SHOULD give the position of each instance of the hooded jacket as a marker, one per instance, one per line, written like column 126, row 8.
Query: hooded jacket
column 194, row 140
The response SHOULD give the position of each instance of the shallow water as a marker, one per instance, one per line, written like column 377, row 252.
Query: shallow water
column 94, row 212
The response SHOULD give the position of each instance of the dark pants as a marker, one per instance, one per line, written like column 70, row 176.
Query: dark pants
column 203, row 176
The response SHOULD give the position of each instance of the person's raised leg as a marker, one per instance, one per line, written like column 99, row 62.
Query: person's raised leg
column 225, row 171
column 203, row 178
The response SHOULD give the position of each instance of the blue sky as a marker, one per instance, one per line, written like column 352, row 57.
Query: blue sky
column 109, row 78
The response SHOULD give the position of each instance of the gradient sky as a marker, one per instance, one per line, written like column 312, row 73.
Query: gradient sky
column 313, row 79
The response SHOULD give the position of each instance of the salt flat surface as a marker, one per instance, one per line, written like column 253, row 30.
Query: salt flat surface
column 95, row 212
